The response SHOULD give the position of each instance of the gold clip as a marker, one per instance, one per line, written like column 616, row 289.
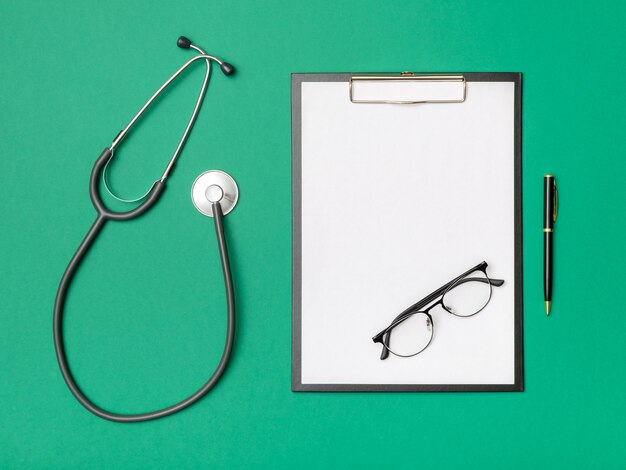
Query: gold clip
column 556, row 200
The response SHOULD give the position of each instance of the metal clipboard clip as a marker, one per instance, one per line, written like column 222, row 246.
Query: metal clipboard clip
column 407, row 88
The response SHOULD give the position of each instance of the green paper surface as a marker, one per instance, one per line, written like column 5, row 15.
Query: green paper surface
column 145, row 317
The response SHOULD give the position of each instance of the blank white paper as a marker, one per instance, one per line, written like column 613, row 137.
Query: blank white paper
column 397, row 200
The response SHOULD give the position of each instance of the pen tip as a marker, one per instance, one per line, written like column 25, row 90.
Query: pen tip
column 547, row 308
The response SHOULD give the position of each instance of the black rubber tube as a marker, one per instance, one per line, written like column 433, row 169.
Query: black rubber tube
column 66, row 281
column 94, row 192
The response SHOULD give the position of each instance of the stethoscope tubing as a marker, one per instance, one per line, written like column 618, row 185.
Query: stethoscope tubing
column 147, row 202
column 103, row 216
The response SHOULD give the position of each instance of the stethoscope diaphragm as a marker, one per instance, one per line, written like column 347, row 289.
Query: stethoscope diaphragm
column 211, row 187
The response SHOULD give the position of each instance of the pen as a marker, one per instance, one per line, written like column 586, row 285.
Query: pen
column 550, row 205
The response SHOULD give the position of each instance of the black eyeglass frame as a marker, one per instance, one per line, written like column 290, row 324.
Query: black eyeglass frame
column 418, row 307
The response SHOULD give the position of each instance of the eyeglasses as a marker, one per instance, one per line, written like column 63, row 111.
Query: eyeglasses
column 413, row 329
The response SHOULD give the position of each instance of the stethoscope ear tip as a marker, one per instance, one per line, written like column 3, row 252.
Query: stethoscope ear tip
column 227, row 68
column 183, row 42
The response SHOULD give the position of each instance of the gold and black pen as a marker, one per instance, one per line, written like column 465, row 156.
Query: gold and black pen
column 550, row 205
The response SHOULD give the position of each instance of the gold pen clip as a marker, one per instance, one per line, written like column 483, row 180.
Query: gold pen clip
column 556, row 200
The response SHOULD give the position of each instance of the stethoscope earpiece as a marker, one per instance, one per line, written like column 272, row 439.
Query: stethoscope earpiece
column 185, row 43
column 227, row 68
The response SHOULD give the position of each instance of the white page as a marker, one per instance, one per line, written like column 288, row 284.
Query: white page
column 397, row 200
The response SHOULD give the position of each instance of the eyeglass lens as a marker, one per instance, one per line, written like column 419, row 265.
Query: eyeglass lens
column 468, row 296
column 410, row 336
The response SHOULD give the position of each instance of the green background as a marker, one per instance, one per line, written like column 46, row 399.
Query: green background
column 145, row 318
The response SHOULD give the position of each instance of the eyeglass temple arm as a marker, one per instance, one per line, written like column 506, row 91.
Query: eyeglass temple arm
column 379, row 338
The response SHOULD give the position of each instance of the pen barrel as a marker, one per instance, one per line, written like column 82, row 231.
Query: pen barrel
column 549, row 200
column 547, row 265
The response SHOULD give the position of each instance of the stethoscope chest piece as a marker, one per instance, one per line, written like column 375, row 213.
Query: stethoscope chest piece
column 212, row 187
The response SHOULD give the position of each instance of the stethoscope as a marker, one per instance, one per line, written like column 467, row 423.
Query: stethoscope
column 214, row 193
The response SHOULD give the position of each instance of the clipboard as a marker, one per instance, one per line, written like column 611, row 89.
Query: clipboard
column 400, row 182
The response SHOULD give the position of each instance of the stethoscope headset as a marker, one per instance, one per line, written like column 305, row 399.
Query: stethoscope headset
column 214, row 193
